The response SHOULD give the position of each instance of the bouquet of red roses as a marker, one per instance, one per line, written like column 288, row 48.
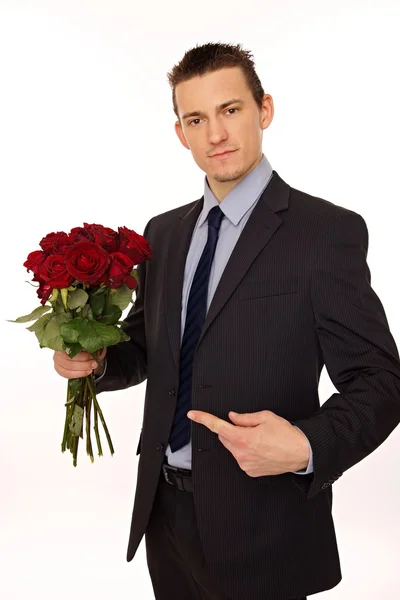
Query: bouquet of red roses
column 85, row 279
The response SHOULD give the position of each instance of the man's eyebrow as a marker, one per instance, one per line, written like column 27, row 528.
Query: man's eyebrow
column 199, row 113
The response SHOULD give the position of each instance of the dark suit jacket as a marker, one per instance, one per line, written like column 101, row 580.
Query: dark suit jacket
column 295, row 295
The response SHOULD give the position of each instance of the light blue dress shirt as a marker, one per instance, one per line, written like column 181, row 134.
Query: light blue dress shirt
column 237, row 207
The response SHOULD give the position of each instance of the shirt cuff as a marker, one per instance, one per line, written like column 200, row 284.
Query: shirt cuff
column 310, row 466
column 96, row 379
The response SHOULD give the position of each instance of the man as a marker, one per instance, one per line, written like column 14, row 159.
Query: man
column 250, row 291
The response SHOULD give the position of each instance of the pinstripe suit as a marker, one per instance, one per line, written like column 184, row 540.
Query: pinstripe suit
column 295, row 294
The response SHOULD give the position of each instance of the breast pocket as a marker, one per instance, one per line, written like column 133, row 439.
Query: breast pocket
column 249, row 290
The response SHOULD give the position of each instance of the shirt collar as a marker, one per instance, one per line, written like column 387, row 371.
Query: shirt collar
column 240, row 199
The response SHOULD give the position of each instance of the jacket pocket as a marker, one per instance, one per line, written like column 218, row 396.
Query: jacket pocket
column 262, row 289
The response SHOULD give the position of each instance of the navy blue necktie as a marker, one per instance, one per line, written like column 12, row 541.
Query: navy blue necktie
column 195, row 316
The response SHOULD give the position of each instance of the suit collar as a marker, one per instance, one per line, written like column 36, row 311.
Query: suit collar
column 242, row 197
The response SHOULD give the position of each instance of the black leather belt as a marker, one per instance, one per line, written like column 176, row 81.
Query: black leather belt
column 180, row 478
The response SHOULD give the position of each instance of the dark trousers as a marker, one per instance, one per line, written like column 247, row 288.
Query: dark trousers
column 175, row 559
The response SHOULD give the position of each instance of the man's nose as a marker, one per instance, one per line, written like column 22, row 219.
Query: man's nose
column 216, row 132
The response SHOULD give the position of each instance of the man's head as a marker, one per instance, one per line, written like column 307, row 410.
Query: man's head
column 221, row 106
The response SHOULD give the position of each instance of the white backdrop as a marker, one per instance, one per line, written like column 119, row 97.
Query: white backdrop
column 86, row 133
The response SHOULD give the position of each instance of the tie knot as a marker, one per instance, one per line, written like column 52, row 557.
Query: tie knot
column 215, row 217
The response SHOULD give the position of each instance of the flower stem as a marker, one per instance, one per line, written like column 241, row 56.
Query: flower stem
column 75, row 449
column 88, row 397
column 66, row 426
column 81, row 393
column 96, row 404
column 96, row 430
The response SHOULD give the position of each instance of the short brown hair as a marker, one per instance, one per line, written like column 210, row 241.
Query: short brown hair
column 212, row 57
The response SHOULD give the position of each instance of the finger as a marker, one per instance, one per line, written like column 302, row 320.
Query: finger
column 69, row 374
column 81, row 356
column 74, row 365
column 214, row 424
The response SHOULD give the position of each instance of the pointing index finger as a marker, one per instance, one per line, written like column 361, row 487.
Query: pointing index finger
column 214, row 424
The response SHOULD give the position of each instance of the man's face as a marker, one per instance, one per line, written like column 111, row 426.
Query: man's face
column 218, row 113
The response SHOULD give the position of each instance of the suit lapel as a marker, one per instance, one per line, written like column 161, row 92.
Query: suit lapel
column 259, row 229
column 178, row 249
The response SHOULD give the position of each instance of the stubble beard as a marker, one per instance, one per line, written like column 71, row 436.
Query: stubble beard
column 226, row 177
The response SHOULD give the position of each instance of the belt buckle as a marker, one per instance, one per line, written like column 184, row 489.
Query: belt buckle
column 166, row 474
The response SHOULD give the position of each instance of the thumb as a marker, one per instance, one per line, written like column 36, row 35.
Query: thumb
column 247, row 419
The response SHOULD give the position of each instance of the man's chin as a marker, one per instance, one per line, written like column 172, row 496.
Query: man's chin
column 225, row 177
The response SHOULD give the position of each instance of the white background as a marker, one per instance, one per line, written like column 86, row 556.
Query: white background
column 86, row 134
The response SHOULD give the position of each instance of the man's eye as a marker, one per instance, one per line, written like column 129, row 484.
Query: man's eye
column 193, row 121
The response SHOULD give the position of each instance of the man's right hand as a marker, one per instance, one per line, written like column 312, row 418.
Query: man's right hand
column 81, row 365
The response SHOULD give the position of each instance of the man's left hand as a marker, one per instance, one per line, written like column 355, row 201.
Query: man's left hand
column 263, row 443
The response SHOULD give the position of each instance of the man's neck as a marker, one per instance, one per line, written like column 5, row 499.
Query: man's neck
column 221, row 189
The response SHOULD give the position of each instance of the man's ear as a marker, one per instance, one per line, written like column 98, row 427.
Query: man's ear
column 180, row 134
column 267, row 111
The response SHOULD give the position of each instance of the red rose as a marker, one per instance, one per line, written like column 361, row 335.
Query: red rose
column 54, row 272
column 80, row 234
column 87, row 262
column 35, row 261
column 119, row 271
column 104, row 236
column 44, row 291
column 134, row 245
column 55, row 243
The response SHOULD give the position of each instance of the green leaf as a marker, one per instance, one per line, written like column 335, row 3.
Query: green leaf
column 77, row 299
column 97, row 335
column 99, row 290
column 121, row 297
column 70, row 331
column 97, row 303
column 123, row 337
column 92, row 335
column 72, row 349
column 76, row 422
column 111, row 314
column 52, row 336
column 39, row 326
column 35, row 314
column 40, row 323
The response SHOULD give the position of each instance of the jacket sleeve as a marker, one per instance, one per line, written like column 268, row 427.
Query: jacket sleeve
column 127, row 361
column 360, row 355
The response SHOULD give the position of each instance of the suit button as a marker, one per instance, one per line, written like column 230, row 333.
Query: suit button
column 171, row 392
column 325, row 485
column 160, row 447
